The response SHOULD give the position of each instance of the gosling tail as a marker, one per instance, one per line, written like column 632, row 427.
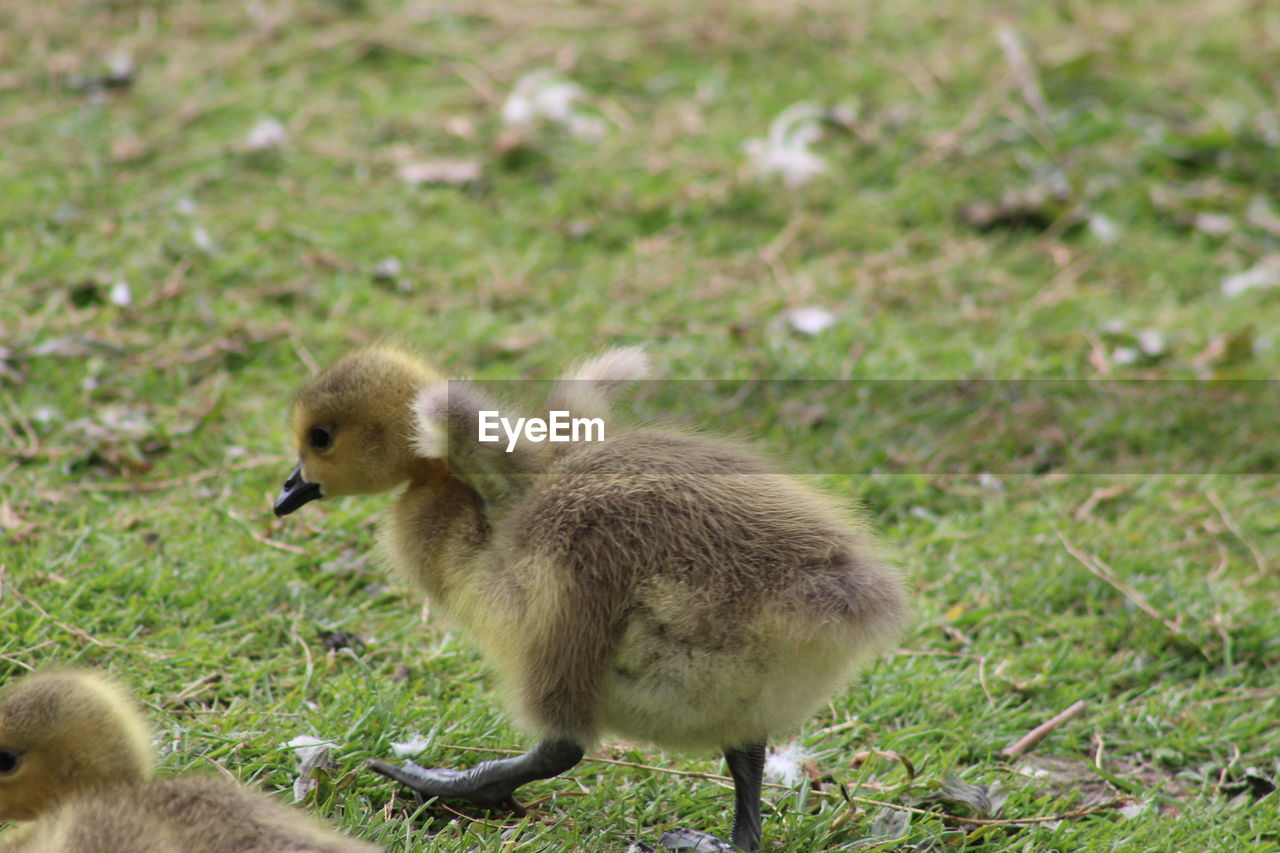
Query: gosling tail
column 585, row 392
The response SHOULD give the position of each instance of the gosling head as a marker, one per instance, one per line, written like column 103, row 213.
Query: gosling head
column 66, row 732
column 353, row 427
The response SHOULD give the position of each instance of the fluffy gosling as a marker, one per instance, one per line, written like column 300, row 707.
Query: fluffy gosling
column 76, row 773
column 658, row 585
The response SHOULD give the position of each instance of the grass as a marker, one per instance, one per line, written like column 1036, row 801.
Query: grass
column 141, row 443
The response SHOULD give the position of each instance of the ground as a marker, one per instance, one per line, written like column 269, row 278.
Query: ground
column 203, row 201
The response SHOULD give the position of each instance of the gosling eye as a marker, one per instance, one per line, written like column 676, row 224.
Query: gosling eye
column 321, row 438
column 9, row 761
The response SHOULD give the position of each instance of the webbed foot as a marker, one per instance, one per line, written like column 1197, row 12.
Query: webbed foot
column 490, row 784
column 447, row 784
column 692, row 841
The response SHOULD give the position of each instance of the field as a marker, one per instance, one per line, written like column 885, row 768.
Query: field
column 204, row 201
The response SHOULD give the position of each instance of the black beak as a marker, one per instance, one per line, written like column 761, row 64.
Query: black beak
column 295, row 493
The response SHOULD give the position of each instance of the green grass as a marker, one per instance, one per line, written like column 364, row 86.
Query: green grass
column 140, row 445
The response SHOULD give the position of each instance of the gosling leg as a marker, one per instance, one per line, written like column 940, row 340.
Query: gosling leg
column 490, row 784
column 746, row 766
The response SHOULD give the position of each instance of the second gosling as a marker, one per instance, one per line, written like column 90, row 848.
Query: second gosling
column 76, row 773
column 658, row 585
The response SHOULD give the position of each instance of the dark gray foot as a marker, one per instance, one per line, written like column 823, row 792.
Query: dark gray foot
column 490, row 784
column 446, row 784
column 692, row 841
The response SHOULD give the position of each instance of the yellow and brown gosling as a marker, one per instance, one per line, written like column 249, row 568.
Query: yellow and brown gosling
column 76, row 774
column 658, row 585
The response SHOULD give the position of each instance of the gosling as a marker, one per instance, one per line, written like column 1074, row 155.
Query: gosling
column 658, row 585
column 76, row 772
